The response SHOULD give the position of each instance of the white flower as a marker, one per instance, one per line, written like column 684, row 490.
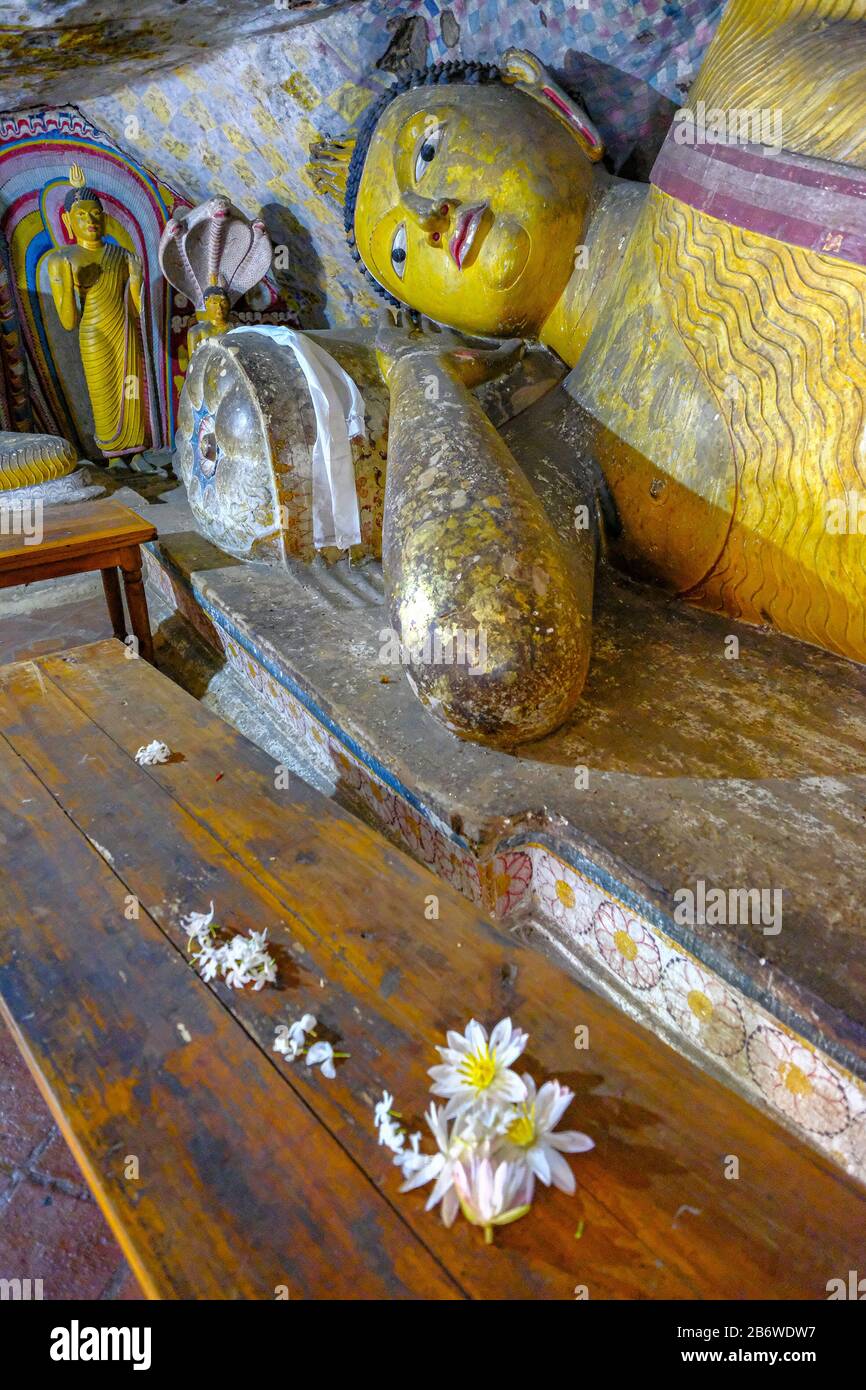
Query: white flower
column 455, row 1143
column 411, row 1160
column 155, row 752
column 243, row 961
column 491, row 1196
column 246, row 961
column 382, row 1109
column 475, row 1072
column 322, row 1052
column 292, row 1039
column 529, row 1137
column 392, row 1136
column 209, row 961
column 197, row 926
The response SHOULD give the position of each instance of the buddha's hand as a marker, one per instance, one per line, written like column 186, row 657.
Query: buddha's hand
column 473, row 360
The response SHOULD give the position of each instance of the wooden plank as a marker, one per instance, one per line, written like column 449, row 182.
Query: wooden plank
column 241, row 1190
column 393, row 980
column 77, row 528
column 172, row 862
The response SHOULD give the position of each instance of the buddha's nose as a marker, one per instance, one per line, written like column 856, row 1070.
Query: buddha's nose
column 433, row 214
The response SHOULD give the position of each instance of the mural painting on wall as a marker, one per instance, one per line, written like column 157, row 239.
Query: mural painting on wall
column 100, row 335
column 239, row 121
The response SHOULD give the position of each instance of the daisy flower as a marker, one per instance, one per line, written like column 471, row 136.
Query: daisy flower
column 529, row 1138
column 454, row 1143
column 491, row 1196
column 476, row 1072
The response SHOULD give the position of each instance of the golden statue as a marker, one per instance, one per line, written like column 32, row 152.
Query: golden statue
column 711, row 436
column 216, row 321
column 97, row 288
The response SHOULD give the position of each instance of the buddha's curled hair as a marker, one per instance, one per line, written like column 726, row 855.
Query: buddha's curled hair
column 79, row 191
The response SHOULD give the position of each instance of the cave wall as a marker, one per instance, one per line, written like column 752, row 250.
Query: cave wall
column 240, row 120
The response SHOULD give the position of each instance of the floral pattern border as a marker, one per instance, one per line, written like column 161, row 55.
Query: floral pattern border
column 768, row 1062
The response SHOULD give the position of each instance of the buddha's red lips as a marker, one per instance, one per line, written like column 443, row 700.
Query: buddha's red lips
column 467, row 225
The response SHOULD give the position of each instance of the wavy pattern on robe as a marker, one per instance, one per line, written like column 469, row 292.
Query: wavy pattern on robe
column 805, row 59
column 111, row 355
column 780, row 334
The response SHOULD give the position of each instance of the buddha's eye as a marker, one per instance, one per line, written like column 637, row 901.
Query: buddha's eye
column 398, row 251
column 427, row 151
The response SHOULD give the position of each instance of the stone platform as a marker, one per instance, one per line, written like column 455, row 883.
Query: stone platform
column 679, row 767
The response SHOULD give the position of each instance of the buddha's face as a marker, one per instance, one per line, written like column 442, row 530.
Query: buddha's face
column 471, row 204
column 85, row 221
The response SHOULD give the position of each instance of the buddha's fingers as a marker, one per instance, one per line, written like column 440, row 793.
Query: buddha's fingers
column 493, row 610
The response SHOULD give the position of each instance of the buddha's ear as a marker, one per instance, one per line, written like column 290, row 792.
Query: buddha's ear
column 67, row 222
column 523, row 70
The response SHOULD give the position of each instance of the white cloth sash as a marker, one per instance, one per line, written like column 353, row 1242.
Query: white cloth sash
column 339, row 409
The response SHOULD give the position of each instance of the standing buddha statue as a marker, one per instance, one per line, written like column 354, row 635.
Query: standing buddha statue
column 97, row 288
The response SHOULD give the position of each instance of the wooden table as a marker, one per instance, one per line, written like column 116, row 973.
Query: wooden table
column 255, row 1175
column 80, row 537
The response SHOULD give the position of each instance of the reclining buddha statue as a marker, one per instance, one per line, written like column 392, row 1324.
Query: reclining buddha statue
column 711, row 434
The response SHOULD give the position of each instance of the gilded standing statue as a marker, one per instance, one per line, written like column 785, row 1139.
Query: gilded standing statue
column 97, row 288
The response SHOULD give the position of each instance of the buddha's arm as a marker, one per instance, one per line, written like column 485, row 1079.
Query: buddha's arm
column 135, row 282
column 62, row 282
column 469, row 551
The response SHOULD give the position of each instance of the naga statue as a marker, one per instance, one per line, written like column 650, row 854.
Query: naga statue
column 213, row 254
column 711, row 433
column 97, row 288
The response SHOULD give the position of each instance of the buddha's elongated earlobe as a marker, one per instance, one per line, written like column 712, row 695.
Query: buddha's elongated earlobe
column 523, row 70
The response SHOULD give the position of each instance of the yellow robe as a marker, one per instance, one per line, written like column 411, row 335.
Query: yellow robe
column 111, row 354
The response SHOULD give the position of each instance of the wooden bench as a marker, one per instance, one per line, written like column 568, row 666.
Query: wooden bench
column 254, row 1175
column 79, row 537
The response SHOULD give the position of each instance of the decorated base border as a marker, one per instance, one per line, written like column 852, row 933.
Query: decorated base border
column 631, row 958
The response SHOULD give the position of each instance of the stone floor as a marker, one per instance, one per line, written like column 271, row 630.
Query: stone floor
column 50, row 1227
